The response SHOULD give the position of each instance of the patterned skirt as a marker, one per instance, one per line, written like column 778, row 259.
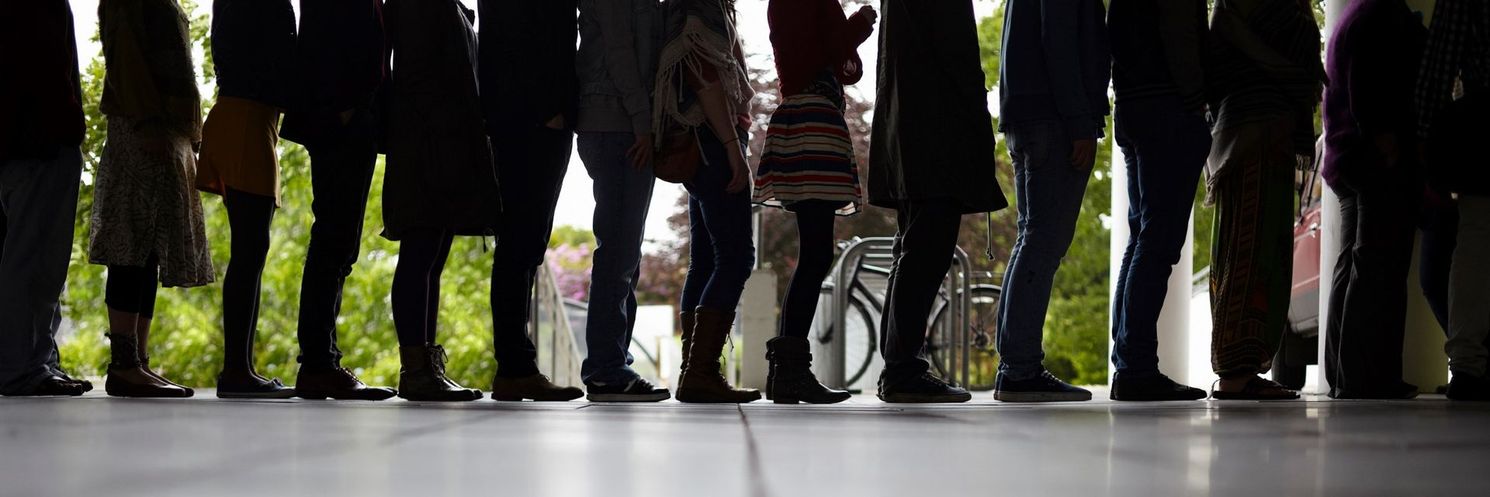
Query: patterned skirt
column 808, row 155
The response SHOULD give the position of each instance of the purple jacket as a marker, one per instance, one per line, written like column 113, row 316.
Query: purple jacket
column 1371, row 63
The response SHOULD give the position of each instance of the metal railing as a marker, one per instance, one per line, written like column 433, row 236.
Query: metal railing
column 559, row 353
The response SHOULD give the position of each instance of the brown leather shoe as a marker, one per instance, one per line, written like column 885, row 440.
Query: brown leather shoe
column 423, row 377
column 130, row 377
column 686, row 318
column 537, row 387
column 701, row 381
column 336, row 383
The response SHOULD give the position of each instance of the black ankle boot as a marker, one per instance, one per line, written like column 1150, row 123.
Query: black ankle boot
column 791, row 380
column 423, row 377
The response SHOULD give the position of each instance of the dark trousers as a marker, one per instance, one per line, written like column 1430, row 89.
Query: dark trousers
column 1368, row 298
column 341, row 171
column 249, row 218
column 531, row 163
column 38, row 202
column 924, row 245
column 815, row 221
column 1439, row 226
column 416, row 286
column 1165, row 150
column 623, row 194
column 721, row 251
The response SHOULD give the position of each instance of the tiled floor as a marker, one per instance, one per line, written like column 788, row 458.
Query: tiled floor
column 204, row 447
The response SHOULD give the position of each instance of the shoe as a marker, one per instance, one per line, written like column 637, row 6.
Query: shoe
column 790, row 379
column 336, row 382
column 1256, row 388
column 926, row 388
column 251, row 386
column 1151, row 389
column 687, row 319
column 1043, row 388
column 145, row 362
column 537, row 387
column 422, row 377
column 701, row 381
column 1468, row 388
column 52, row 386
column 86, row 385
column 130, row 376
column 637, row 389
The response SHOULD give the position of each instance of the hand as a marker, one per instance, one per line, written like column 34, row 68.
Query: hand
column 1386, row 143
column 557, row 122
column 641, row 151
column 1083, row 153
column 739, row 171
column 869, row 13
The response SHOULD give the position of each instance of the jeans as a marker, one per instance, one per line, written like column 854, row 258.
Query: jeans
column 1165, row 150
column 1049, row 190
column 924, row 245
column 1368, row 298
column 531, row 162
column 1469, row 289
column 341, row 171
column 38, row 199
column 622, row 195
column 721, row 253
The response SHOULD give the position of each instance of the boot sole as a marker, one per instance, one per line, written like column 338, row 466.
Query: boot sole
column 324, row 396
column 436, row 398
column 914, row 398
column 132, row 395
column 799, row 400
column 1042, row 396
column 1157, row 398
column 519, row 398
column 628, row 397
column 694, row 400
column 283, row 394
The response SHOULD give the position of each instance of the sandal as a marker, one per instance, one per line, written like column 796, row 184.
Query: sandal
column 1257, row 388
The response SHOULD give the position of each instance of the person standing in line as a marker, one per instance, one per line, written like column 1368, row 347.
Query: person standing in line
column 1263, row 82
column 529, row 89
column 1453, row 124
column 147, row 217
column 341, row 65
column 1160, row 122
column 41, row 129
column 808, row 168
column 251, row 39
column 617, row 59
column 1053, row 106
column 1369, row 127
column 439, row 182
column 932, row 159
column 702, row 89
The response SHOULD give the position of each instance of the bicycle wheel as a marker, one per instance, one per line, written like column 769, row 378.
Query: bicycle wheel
column 983, row 321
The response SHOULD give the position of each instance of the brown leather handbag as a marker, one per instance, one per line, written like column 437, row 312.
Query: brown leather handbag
column 678, row 155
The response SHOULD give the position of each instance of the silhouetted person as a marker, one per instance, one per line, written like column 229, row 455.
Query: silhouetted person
column 342, row 64
column 439, row 182
column 1371, row 164
column 808, row 168
column 703, row 93
column 1054, row 70
column 528, row 91
column 41, row 129
column 617, row 61
column 147, row 217
column 253, row 42
column 932, row 159
column 1453, row 123
column 1264, row 79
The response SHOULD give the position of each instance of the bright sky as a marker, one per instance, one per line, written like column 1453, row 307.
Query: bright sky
column 576, row 205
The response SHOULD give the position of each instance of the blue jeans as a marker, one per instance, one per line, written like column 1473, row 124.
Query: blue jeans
column 721, row 250
column 622, row 195
column 1049, row 190
column 38, row 199
column 1165, row 149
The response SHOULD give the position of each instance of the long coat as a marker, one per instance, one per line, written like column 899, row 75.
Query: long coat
column 440, row 173
column 933, row 136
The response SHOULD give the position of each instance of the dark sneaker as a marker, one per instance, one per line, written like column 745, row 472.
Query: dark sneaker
column 923, row 389
column 1468, row 388
column 1043, row 388
column 638, row 389
column 1151, row 389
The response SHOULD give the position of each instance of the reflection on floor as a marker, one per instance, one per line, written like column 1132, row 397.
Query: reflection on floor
column 205, row 446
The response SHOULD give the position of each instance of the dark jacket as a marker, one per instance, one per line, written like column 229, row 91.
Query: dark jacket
column 1263, row 65
column 253, row 47
column 341, row 61
column 932, row 138
column 617, row 62
column 41, row 100
column 527, row 61
column 1369, row 92
column 440, row 173
column 1054, row 65
column 1157, row 50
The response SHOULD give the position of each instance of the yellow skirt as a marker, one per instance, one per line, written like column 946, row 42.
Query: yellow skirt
column 238, row 143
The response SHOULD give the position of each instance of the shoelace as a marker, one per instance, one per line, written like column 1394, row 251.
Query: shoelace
column 437, row 358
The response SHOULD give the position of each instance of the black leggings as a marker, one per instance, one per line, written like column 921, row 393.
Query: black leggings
column 814, row 260
column 416, row 285
column 249, row 216
column 132, row 288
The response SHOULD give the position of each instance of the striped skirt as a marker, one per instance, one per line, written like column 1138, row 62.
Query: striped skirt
column 808, row 155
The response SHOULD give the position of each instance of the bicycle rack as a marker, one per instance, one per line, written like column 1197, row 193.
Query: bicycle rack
column 881, row 248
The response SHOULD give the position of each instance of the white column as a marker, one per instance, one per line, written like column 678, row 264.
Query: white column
column 1175, row 333
column 757, row 325
column 1329, row 232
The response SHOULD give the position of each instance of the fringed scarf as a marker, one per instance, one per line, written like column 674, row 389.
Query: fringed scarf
column 701, row 34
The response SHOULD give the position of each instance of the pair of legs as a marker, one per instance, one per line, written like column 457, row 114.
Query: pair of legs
column 1164, row 151
column 623, row 194
column 37, row 202
column 1368, row 296
column 416, row 285
column 790, row 379
column 924, row 245
column 249, row 218
column 1469, row 290
column 130, row 296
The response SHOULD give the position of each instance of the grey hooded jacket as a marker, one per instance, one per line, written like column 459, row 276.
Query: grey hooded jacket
column 617, row 64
